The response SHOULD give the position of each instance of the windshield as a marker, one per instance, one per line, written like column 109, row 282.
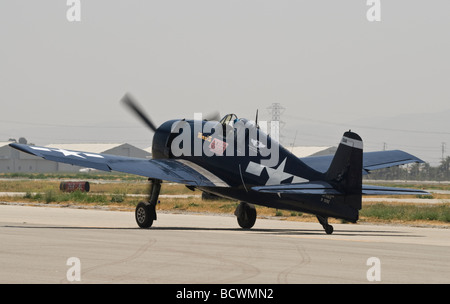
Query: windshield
column 229, row 119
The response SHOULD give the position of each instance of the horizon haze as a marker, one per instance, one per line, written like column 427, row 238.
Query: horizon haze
column 323, row 61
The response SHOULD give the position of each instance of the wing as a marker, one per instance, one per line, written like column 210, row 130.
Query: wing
column 324, row 188
column 371, row 160
column 178, row 171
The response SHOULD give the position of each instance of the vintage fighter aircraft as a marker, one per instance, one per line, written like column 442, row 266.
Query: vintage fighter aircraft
column 233, row 158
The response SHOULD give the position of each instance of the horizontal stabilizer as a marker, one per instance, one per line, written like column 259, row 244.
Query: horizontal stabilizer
column 371, row 160
column 300, row 188
column 379, row 190
column 325, row 188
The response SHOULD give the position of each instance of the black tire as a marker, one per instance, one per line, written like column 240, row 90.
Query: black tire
column 246, row 215
column 329, row 229
column 144, row 214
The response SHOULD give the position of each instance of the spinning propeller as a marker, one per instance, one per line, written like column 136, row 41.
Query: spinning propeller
column 133, row 105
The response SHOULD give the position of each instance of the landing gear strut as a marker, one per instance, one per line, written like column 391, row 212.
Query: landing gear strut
column 324, row 222
column 246, row 215
column 145, row 212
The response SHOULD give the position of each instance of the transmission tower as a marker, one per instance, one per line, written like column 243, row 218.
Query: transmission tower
column 275, row 111
column 443, row 150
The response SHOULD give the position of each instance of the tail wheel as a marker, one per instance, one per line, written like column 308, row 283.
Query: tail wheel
column 329, row 229
column 246, row 215
column 324, row 222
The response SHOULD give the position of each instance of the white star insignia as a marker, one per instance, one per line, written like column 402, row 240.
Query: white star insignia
column 276, row 176
column 69, row 153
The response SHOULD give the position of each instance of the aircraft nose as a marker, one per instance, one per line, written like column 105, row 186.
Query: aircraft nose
column 162, row 139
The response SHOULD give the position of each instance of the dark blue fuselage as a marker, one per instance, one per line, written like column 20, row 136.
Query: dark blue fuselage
column 244, row 157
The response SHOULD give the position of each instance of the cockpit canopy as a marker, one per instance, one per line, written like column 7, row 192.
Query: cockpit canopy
column 231, row 123
column 229, row 119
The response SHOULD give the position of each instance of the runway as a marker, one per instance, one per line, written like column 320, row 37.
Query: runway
column 36, row 243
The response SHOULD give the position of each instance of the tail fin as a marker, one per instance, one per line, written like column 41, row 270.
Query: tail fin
column 345, row 171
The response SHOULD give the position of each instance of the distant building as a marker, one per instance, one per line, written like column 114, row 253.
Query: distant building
column 12, row 160
column 312, row 151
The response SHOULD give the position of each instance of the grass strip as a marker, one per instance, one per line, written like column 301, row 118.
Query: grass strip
column 390, row 212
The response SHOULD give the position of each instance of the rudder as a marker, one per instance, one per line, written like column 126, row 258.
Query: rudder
column 345, row 171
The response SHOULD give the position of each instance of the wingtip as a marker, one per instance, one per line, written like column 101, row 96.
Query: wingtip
column 21, row 147
column 15, row 146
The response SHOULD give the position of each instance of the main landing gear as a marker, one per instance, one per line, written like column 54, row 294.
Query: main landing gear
column 324, row 222
column 246, row 215
column 145, row 212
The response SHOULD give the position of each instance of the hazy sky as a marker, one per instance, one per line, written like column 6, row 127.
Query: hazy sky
column 323, row 61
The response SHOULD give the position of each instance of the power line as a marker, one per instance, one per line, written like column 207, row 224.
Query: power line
column 366, row 127
column 68, row 125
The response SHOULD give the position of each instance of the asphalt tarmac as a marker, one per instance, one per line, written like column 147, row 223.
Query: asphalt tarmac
column 63, row 245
